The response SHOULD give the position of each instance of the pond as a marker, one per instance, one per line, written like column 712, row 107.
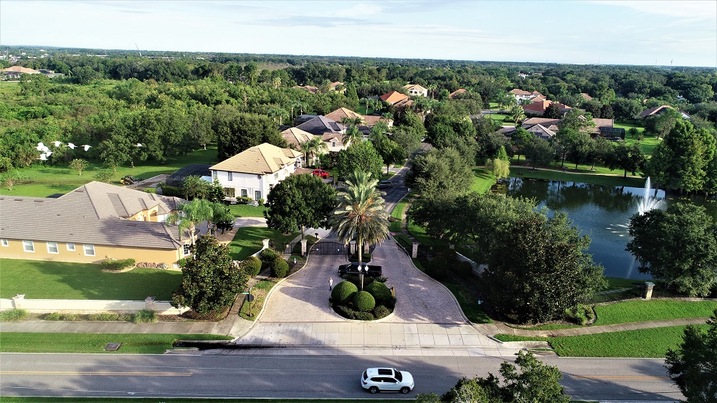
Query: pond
column 601, row 212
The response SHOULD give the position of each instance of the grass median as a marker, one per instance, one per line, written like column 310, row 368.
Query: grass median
column 132, row 343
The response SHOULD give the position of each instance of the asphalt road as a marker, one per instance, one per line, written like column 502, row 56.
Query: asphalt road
column 244, row 374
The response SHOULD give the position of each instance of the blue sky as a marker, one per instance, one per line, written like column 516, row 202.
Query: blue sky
column 643, row 32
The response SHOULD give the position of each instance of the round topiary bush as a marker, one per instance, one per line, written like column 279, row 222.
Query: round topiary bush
column 252, row 265
column 280, row 268
column 380, row 292
column 364, row 301
column 343, row 292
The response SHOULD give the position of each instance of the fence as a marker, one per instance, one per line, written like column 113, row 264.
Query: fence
column 87, row 306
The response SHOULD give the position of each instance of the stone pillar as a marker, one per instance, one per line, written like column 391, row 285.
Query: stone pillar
column 18, row 300
column 352, row 247
column 648, row 289
column 414, row 250
column 303, row 247
column 149, row 303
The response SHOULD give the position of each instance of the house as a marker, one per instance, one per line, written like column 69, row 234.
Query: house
column 371, row 120
column 524, row 96
column 344, row 113
column 296, row 137
column 394, row 97
column 458, row 93
column 585, row 96
column 94, row 222
column 337, row 86
column 309, row 88
column 255, row 171
column 416, row 90
column 14, row 72
column 320, row 125
column 603, row 127
column 657, row 111
column 538, row 108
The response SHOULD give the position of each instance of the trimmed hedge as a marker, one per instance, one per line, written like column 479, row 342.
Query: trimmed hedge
column 117, row 265
column 252, row 266
column 280, row 268
column 343, row 292
column 380, row 292
column 364, row 301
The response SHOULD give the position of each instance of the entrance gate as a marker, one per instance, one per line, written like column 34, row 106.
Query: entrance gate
column 329, row 248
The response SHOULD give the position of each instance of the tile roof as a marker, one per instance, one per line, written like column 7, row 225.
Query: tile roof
column 20, row 69
column 320, row 125
column 296, row 136
column 541, row 131
column 517, row 91
column 339, row 114
column 371, row 120
column 542, row 121
column 262, row 159
column 586, row 96
column 393, row 97
column 457, row 92
column 653, row 111
column 95, row 213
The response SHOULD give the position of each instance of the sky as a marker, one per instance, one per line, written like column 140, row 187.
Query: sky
column 641, row 32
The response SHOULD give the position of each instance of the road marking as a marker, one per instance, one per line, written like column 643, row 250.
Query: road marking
column 96, row 373
column 623, row 377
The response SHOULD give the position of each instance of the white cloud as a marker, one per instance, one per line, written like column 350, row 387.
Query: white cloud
column 679, row 9
column 359, row 10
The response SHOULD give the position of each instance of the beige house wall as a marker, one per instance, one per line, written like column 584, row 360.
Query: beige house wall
column 15, row 250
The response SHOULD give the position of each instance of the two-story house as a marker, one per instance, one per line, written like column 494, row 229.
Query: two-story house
column 255, row 171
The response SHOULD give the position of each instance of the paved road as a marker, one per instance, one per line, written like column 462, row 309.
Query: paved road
column 246, row 374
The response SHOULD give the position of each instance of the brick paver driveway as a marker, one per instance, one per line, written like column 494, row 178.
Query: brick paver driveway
column 304, row 297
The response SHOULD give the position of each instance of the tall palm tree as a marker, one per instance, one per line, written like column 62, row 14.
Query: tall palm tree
column 312, row 148
column 361, row 214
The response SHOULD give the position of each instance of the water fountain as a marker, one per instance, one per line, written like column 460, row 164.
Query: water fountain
column 648, row 202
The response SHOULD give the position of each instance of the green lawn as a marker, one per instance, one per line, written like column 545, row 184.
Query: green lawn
column 248, row 240
column 614, row 179
column 482, row 180
column 656, row 309
column 246, row 210
column 132, row 343
column 650, row 343
column 44, row 180
column 397, row 215
column 57, row 280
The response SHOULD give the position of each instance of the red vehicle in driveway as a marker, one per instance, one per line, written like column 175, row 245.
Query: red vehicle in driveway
column 320, row 173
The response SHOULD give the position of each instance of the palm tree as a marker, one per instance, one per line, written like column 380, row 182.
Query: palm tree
column 361, row 214
column 312, row 148
column 190, row 215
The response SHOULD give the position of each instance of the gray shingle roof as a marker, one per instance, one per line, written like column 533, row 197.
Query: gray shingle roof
column 91, row 214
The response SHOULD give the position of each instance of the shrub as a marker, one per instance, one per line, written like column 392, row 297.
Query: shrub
column 168, row 190
column 349, row 313
column 268, row 256
column 581, row 314
column 343, row 292
column 117, row 265
column 145, row 316
column 106, row 317
column 13, row 315
column 438, row 267
column 464, row 269
column 280, row 268
column 364, row 301
column 380, row 292
column 381, row 312
column 61, row 316
column 251, row 266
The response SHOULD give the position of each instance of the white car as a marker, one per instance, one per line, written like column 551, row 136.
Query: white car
column 386, row 379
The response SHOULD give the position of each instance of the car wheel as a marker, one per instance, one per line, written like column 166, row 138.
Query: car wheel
column 405, row 390
column 373, row 389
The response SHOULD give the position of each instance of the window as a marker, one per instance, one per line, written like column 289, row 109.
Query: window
column 244, row 193
column 187, row 249
column 52, row 248
column 71, row 247
column 229, row 176
column 89, row 250
column 214, row 175
column 4, row 242
column 333, row 144
column 257, row 195
column 28, row 246
column 229, row 192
